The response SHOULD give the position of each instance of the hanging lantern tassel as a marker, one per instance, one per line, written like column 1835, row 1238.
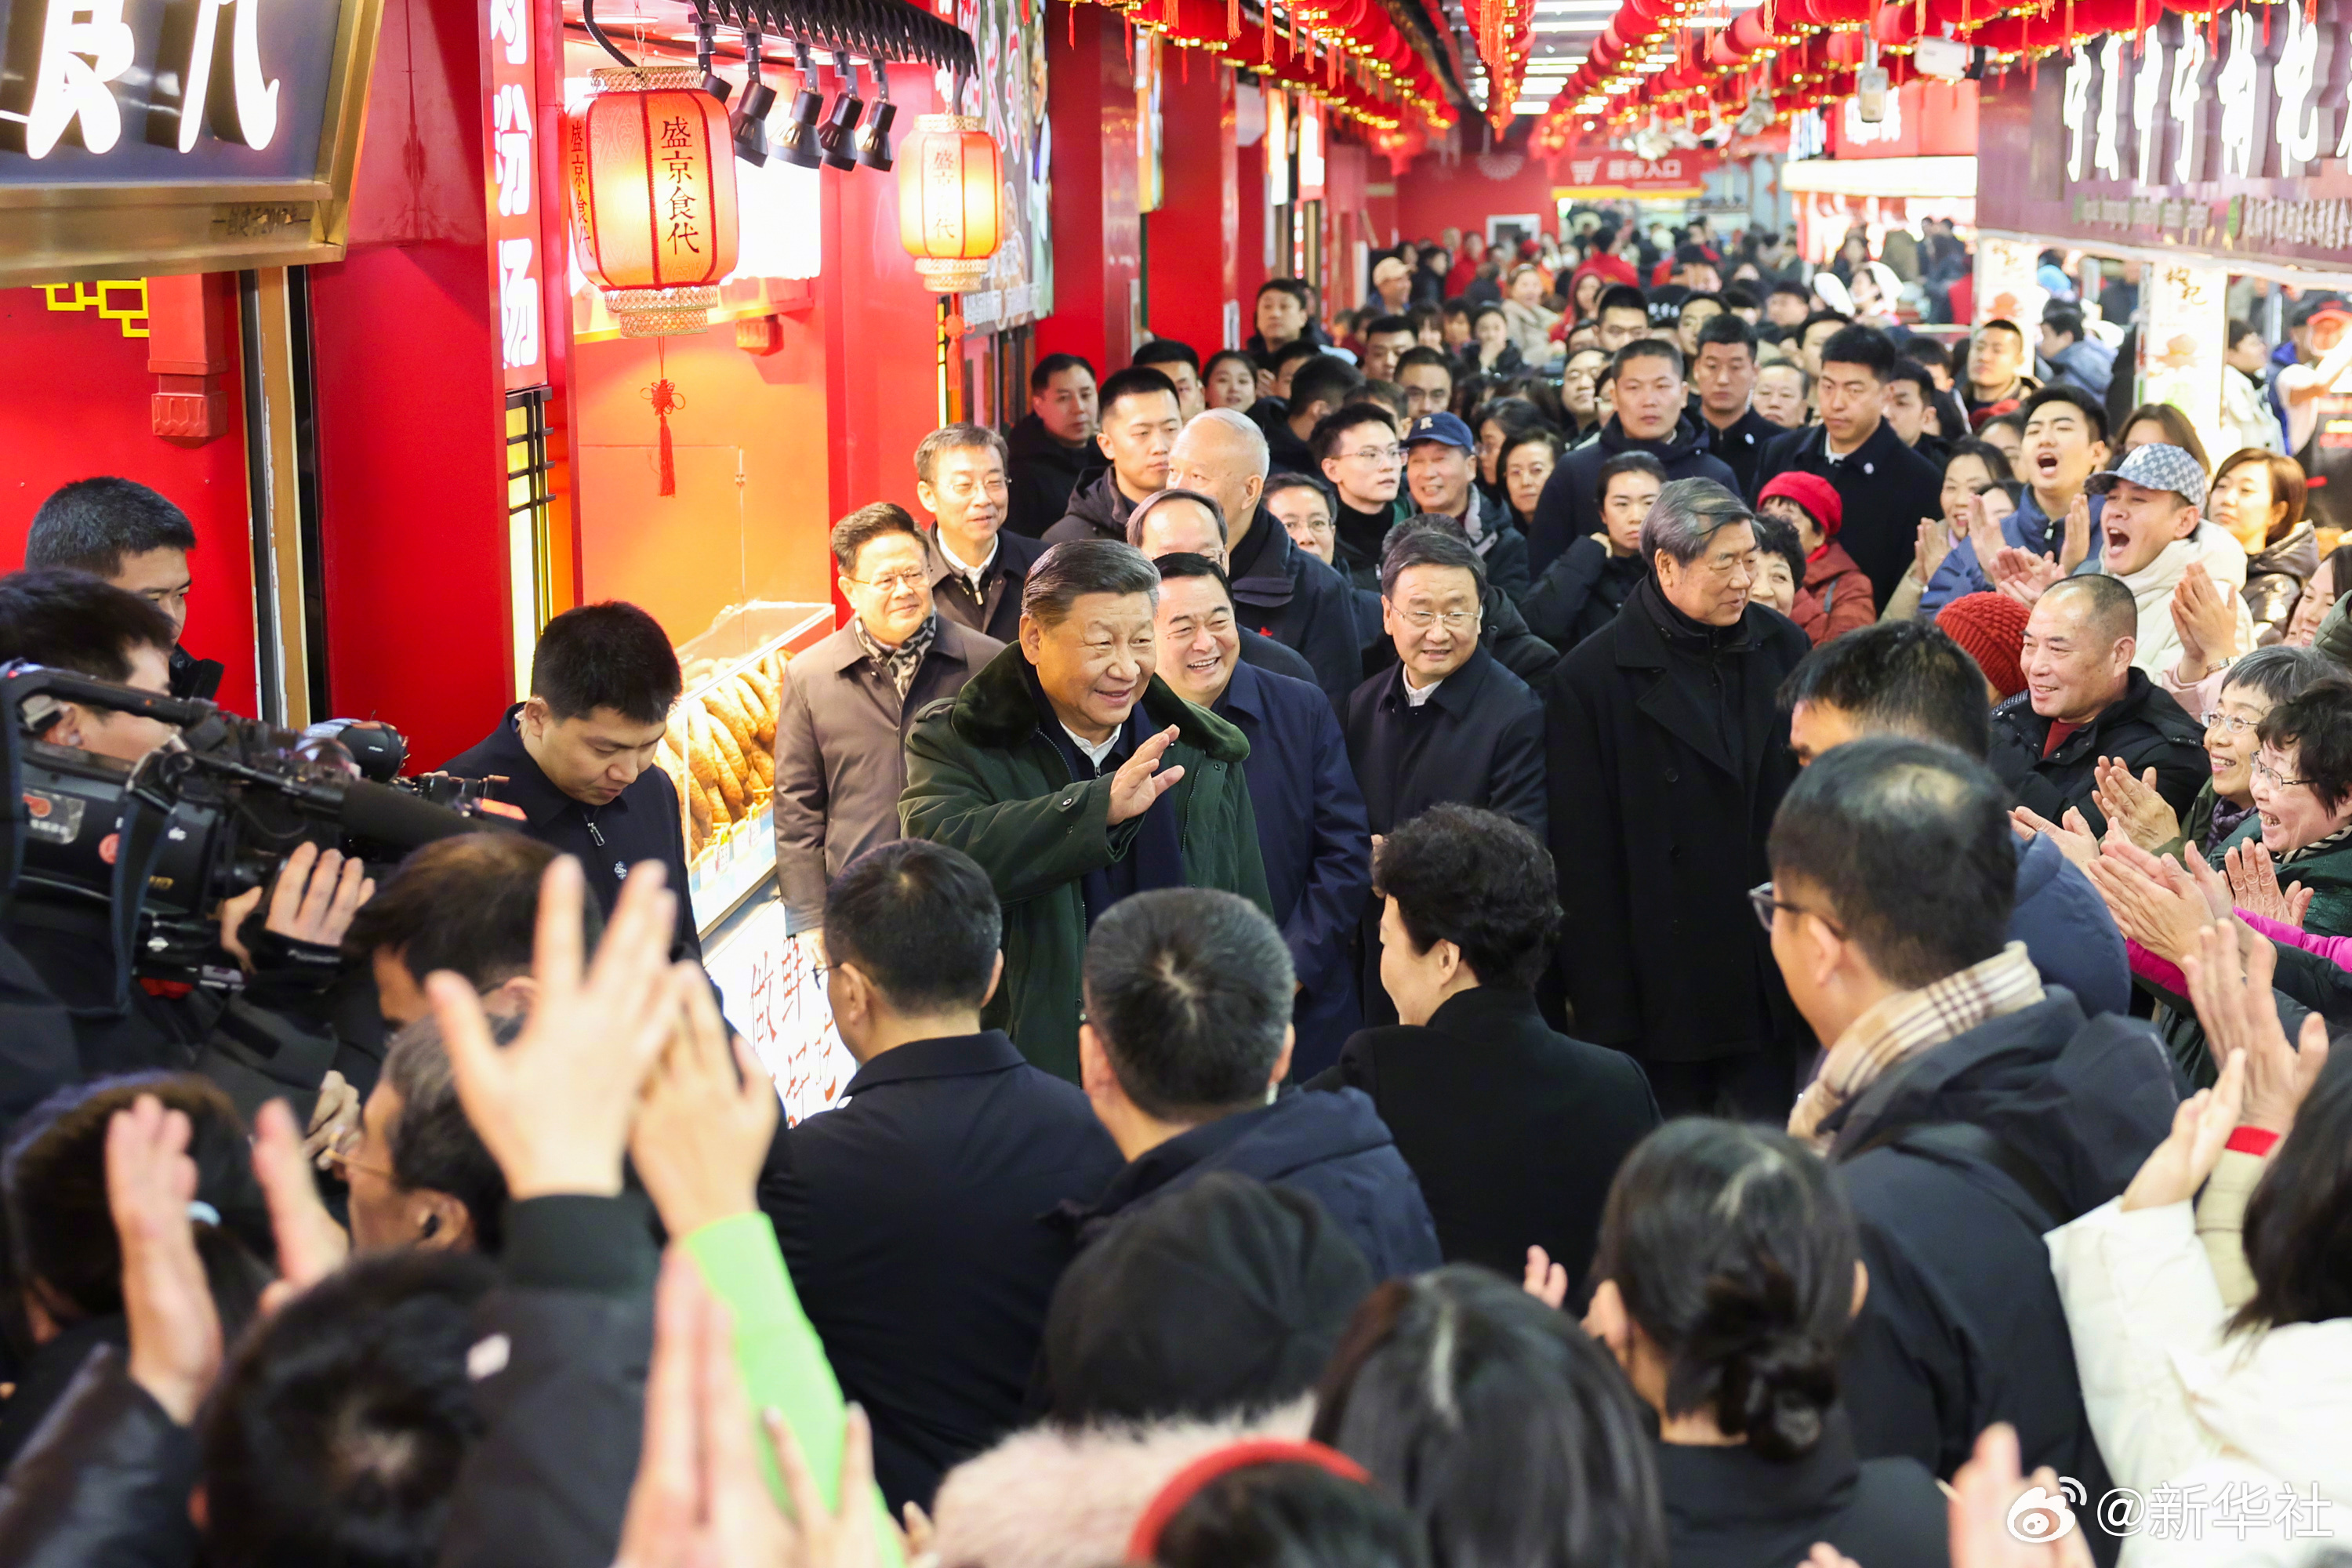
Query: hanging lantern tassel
column 664, row 396
column 1233, row 18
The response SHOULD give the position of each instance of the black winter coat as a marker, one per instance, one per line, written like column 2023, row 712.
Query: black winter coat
column 2145, row 727
column 996, row 610
column 1668, row 756
column 1041, row 475
column 1282, row 592
column 1740, row 445
column 1099, row 510
column 105, row 1480
column 1732, row 1508
column 1963, row 1326
column 1581, row 592
column 1332, row 1147
column 1514, row 1130
column 1884, row 488
column 1478, row 739
column 1569, row 507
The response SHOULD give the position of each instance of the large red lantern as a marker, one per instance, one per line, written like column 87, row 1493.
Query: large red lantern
column 653, row 197
column 949, row 185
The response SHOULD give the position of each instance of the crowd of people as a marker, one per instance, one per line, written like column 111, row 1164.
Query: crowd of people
column 1633, row 968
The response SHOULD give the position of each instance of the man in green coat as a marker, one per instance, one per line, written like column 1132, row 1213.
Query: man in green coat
column 1075, row 776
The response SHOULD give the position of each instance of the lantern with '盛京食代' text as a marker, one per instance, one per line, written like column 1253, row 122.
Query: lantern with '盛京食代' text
column 950, row 186
column 653, row 197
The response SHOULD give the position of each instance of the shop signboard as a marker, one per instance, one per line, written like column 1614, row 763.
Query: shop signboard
column 2229, row 139
column 1586, row 173
column 772, row 988
column 2006, row 289
column 2180, row 345
column 1008, row 94
column 510, row 132
column 1921, row 119
column 156, row 137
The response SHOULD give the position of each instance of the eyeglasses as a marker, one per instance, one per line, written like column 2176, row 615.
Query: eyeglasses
column 1378, row 454
column 1453, row 620
column 1761, row 899
column 2231, row 724
column 2264, row 770
column 893, row 582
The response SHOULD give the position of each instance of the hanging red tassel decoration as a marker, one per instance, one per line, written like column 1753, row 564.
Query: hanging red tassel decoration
column 665, row 397
column 1233, row 18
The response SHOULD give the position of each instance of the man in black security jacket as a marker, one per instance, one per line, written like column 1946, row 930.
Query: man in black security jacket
column 577, row 755
column 1887, row 489
column 1187, row 1032
column 909, row 1213
column 1051, row 450
column 1973, row 1108
column 135, row 539
column 1141, row 418
column 1724, row 374
column 1651, row 398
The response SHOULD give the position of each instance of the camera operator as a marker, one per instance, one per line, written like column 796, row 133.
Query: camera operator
column 132, row 537
column 578, row 754
column 69, row 620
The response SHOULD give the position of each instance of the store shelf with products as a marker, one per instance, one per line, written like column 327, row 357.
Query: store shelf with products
column 720, row 749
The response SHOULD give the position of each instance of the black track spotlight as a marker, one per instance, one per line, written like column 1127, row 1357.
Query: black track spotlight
column 799, row 146
column 706, row 42
column 837, row 134
column 873, row 138
column 748, row 123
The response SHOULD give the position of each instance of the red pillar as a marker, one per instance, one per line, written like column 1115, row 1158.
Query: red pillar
column 1195, row 233
column 1096, row 229
column 1249, row 242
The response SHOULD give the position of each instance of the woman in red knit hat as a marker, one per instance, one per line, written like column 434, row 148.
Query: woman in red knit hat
column 1836, row 598
column 1991, row 628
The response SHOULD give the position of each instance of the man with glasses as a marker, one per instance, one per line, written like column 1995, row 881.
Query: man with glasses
column 977, row 564
column 1667, row 756
column 848, row 702
column 1358, row 451
column 1448, row 722
column 2085, row 699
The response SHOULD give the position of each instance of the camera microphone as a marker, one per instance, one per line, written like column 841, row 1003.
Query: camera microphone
column 399, row 817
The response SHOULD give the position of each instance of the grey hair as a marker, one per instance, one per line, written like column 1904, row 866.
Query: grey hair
column 2279, row 672
column 1687, row 514
column 957, row 438
column 1431, row 539
column 432, row 1145
column 1242, row 425
column 1077, row 567
column 1152, row 502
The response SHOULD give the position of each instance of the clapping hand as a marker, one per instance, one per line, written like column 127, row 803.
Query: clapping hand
column 704, row 1123
column 2074, row 841
column 2074, row 540
column 2205, row 613
column 1935, row 543
column 1140, row 781
column 175, row 1334
column 1984, row 1490
column 554, row 1108
column 2161, row 915
column 1545, row 1280
column 2021, row 574
column 2131, row 803
column 2254, row 884
column 2229, row 986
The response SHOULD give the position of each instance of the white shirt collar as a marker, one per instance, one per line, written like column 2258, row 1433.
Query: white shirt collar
column 1416, row 696
column 956, row 565
column 1095, row 754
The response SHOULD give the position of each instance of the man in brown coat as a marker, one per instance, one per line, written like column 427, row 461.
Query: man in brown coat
column 848, row 702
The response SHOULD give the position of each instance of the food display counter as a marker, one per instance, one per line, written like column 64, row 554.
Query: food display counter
column 720, row 753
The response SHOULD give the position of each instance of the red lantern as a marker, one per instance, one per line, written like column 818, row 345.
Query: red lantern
column 949, row 184
column 653, row 197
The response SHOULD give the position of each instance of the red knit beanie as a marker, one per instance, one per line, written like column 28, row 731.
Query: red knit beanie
column 1991, row 628
column 1812, row 493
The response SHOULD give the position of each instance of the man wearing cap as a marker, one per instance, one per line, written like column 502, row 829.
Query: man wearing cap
column 1392, row 285
column 1441, row 470
column 2151, row 533
column 1650, row 398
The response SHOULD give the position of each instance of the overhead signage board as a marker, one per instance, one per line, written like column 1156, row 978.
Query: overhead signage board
column 156, row 137
column 2228, row 140
column 1585, row 173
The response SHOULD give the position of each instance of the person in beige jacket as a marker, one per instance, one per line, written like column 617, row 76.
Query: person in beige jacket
column 2214, row 1345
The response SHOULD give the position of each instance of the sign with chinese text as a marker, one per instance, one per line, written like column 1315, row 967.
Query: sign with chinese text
column 512, row 157
column 2181, row 345
column 773, row 990
column 1008, row 93
column 1277, row 146
column 2227, row 139
column 1311, row 175
column 2005, row 285
column 168, row 136
column 1597, row 172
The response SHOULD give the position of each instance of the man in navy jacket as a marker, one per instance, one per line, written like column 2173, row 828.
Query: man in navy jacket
column 1311, row 831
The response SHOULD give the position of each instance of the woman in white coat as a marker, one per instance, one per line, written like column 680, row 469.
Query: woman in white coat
column 2215, row 1345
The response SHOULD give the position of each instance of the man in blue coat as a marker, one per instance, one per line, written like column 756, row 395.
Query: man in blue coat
column 1187, row 1032
column 1311, row 830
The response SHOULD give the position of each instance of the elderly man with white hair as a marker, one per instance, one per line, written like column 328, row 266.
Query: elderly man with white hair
column 1279, row 590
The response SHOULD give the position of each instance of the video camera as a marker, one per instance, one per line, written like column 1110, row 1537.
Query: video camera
column 211, row 813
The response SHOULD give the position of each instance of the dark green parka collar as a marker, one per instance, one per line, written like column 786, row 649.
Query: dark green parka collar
column 995, row 710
